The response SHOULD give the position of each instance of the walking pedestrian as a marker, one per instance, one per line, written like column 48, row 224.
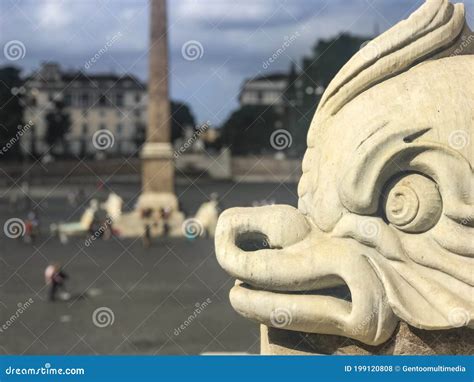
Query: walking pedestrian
column 55, row 278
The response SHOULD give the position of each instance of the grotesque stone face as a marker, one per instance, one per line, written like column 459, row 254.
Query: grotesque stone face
column 386, row 197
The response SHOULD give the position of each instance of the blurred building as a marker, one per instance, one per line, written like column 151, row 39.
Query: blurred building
column 264, row 91
column 287, row 100
column 94, row 102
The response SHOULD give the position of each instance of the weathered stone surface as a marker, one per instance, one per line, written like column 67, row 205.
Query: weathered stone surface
column 386, row 200
column 157, row 153
column 406, row 340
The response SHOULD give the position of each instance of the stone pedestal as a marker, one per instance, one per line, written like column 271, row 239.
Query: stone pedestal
column 406, row 340
column 157, row 168
column 158, row 188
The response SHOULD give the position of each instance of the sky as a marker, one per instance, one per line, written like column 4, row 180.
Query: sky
column 214, row 44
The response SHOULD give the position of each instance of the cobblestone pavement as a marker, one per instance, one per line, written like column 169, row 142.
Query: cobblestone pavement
column 169, row 299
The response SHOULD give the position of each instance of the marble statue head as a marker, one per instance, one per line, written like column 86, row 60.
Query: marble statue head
column 385, row 200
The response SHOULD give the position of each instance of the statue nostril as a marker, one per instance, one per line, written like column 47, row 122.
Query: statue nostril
column 252, row 241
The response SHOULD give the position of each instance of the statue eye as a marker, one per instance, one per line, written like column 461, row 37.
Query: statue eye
column 412, row 203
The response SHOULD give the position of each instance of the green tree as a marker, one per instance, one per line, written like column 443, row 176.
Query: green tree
column 58, row 124
column 181, row 117
column 248, row 130
column 11, row 112
column 140, row 136
column 328, row 57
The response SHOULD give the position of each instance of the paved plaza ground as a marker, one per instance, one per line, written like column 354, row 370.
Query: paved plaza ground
column 145, row 295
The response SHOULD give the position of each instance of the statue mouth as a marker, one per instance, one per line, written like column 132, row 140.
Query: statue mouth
column 289, row 310
column 295, row 277
column 341, row 292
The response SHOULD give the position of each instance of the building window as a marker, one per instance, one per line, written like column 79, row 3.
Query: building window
column 138, row 97
column 67, row 99
column 119, row 129
column 84, row 100
column 84, row 129
column 137, row 113
column 119, row 99
column 102, row 100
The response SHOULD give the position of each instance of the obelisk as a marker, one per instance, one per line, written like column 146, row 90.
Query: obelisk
column 157, row 153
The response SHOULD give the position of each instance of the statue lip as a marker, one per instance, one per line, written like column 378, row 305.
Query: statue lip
column 341, row 291
column 287, row 309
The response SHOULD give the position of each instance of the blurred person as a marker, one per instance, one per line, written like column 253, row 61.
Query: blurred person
column 147, row 236
column 100, row 224
column 100, row 185
column 25, row 201
column 165, row 214
column 81, row 195
column 31, row 227
column 55, row 278
column 146, row 216
column 72, row 198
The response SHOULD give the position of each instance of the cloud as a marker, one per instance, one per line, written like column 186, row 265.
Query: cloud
column 244, row 14
column 237, row 37
column 53, row 15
